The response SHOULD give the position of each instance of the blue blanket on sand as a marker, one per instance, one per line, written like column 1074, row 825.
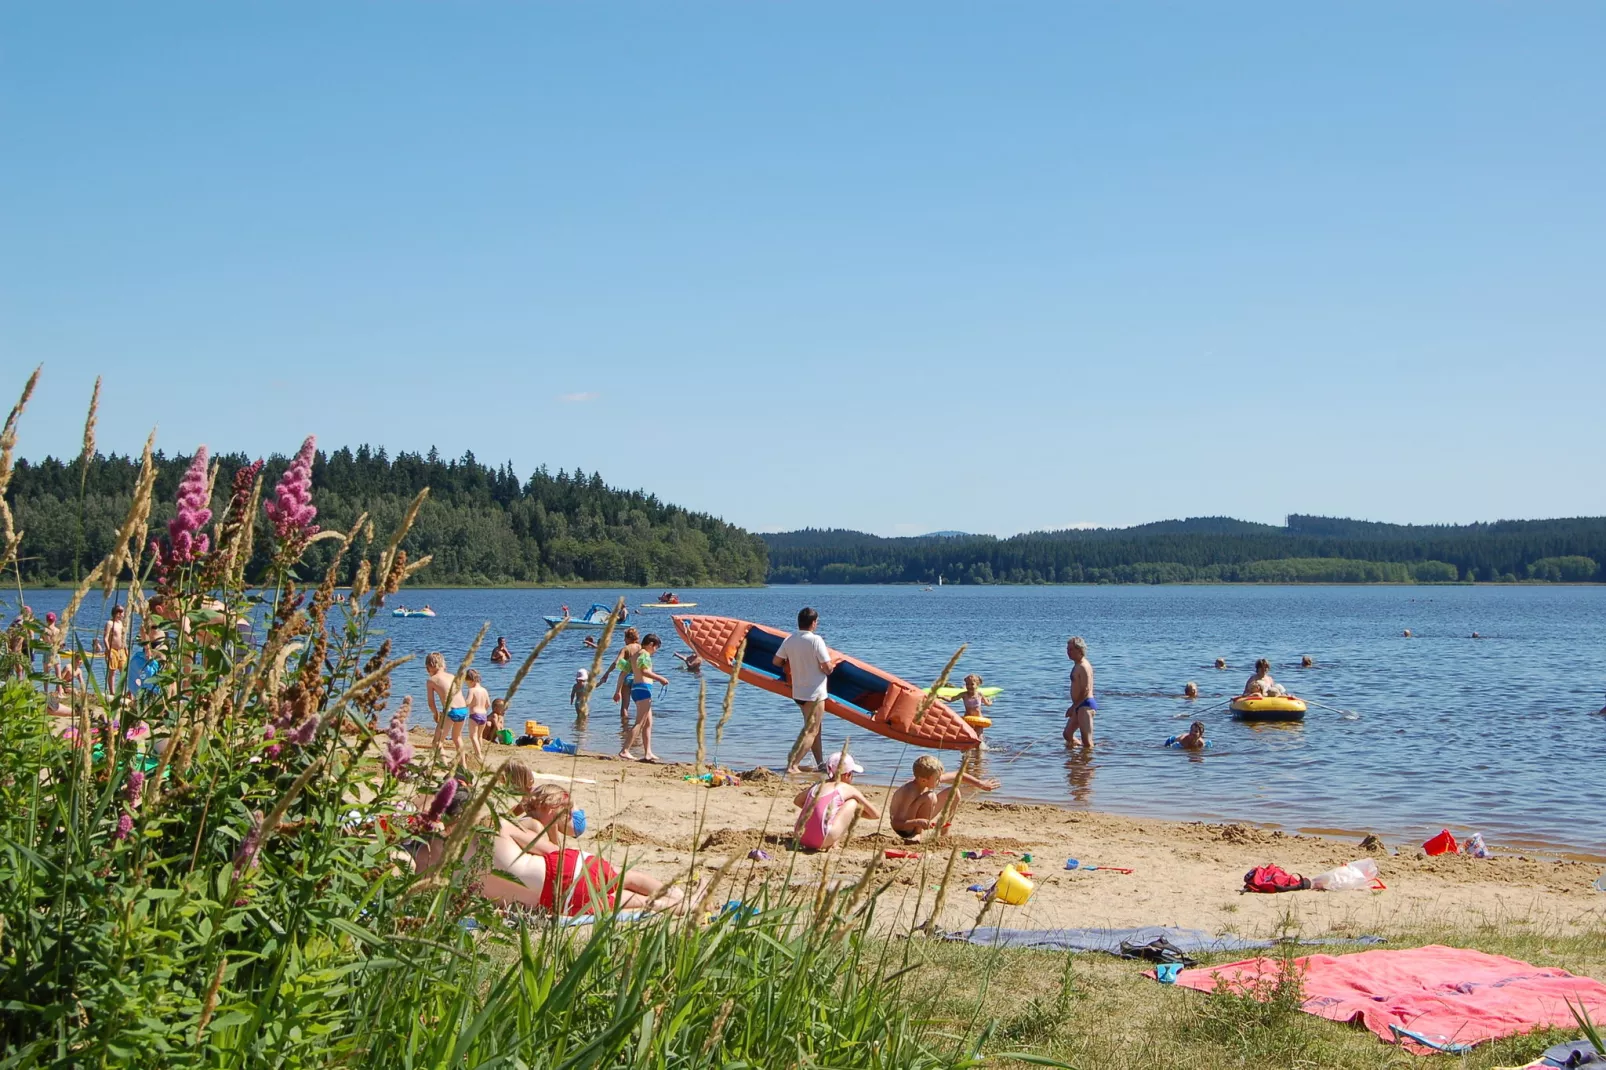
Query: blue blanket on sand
column 1188, row 941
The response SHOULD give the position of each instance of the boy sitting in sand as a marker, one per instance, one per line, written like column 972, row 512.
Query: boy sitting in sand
column 917, row 807
column 826, row 809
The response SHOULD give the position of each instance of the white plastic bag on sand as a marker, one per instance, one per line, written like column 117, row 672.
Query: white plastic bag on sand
column 1357, row 876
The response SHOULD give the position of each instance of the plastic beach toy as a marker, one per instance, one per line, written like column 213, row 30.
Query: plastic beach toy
column 1071, row 863
column 1443, row 843
column 1012, row 888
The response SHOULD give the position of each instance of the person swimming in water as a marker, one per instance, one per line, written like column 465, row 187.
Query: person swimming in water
column 1194, row 740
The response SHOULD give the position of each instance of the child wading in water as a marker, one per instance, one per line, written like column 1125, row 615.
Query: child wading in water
column 972, row 697
column 479, row 711
column 641, row 680
column 917, row 807
column 975, row 702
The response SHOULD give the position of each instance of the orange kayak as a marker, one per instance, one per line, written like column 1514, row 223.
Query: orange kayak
column 863, row 694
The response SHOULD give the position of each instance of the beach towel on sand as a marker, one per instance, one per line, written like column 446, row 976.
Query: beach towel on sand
column 1189, row 941
column 1445, row 995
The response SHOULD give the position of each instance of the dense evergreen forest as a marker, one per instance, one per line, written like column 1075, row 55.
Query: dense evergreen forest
column 1308, row 549
column 485, row 526
column 482, row 524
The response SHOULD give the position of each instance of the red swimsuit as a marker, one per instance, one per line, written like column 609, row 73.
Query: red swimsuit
column 587, row 882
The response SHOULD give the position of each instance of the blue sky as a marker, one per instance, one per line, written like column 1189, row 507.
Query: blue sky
column 897, row 267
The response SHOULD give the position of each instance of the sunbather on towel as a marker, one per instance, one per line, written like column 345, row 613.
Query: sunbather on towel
column 575, row 881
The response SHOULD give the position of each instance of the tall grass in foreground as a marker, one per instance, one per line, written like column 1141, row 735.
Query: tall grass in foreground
column 231, row 891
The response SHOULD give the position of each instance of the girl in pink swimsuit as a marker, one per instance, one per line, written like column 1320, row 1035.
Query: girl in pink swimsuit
column 827, row 809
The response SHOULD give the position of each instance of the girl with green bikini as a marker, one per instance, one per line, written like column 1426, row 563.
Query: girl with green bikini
column 641, row 680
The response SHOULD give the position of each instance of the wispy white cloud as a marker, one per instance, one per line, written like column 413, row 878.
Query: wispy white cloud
column 576, row 399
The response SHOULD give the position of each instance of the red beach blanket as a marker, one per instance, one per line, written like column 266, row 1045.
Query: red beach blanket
column 1445, row 996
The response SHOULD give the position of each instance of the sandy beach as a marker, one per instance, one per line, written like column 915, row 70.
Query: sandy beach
column 1185, row 874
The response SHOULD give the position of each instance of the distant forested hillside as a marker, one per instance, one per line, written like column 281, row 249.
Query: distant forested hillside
column 482, row 524
column 1307, row 549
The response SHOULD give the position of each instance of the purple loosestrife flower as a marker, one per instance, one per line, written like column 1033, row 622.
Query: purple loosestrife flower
column 136, row 782
column 398, row 726
column 396, row 757
column 245, row 858
column 183, row 531
column 290, row 509
column 442, row 800
column 184, row 539
column 305, row 732
column 125, row 825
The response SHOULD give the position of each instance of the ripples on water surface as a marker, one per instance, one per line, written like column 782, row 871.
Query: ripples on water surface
column 1498, row 734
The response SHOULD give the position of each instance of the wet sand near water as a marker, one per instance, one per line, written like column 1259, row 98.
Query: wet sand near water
column 1187, row 874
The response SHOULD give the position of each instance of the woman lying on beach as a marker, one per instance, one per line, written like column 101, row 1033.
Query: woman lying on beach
column 550, row 876
column 573, row 881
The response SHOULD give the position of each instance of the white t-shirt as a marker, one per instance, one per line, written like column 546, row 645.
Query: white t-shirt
column 803, row 652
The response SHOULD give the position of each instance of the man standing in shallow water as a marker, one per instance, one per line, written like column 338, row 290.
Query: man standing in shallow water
column 807, row 663
column 1079, row 718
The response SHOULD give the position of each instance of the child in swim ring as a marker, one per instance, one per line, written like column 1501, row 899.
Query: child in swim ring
column 972, row 697
column 1194, row 740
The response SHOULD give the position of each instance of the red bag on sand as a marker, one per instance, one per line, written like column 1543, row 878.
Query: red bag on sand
column 1442, row 844
column 1274, row 879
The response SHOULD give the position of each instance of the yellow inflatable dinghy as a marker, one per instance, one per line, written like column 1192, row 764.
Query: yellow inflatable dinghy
column 1272, row 708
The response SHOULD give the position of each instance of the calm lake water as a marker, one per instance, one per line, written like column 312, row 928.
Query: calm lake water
column 1499, row 735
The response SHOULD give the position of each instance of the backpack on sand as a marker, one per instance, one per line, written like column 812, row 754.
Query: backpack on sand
column 1274, row 879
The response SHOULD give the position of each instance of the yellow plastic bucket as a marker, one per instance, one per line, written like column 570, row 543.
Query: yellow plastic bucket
column 1013, row 888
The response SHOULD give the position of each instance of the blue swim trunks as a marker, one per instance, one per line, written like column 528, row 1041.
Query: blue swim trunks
column 458, row 713
column 640, row 693
column 1087, row 704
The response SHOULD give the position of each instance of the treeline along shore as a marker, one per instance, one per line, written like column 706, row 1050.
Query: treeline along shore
column 1307, row 549
column 485, row 526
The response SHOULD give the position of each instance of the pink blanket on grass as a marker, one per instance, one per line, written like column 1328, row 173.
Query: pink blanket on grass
column 1448, row 995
